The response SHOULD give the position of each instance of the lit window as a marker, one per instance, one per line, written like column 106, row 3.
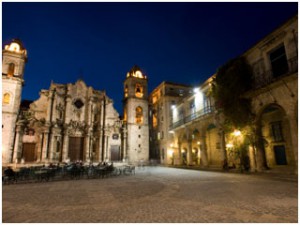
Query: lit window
column 11, row 69
column 6, row 99
column 14, row 47
column 139, row 115
column 154, row 99
column 126, row 92
column 139, row 91
column 154, row 119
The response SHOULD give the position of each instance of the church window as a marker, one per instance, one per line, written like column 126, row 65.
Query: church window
column 139, row 115
column 139, row 91
column 11, row 69
column 6, row 99
column 126, row 91
column 78, row 103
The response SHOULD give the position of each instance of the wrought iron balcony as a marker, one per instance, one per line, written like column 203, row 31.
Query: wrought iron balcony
column 268, row 77
column 205, row 111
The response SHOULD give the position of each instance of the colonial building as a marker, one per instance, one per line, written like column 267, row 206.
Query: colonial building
column 161, row 99
column 195, row 138
column 199, row 137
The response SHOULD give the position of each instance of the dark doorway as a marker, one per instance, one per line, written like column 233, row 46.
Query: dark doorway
column 184, row 157
column 115, row 153
column 76, row 148
column 280, row 156
column 29, row 152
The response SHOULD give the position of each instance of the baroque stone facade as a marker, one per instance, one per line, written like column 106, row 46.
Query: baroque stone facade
column 69, row 122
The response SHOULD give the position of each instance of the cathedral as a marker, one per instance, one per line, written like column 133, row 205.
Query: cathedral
column 70, row 122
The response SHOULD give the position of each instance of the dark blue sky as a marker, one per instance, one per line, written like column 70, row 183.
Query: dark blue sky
column 100, row 42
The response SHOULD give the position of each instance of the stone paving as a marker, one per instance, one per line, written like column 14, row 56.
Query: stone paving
column 155, row 194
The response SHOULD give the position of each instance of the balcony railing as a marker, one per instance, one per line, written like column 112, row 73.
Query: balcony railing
column 193, row 116
column 268, row 77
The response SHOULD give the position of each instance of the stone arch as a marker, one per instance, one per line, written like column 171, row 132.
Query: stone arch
column 11, row 69
column 273, row 137
column 213, row 145
column 184, row 152
column 139, row 91
column 196, row 155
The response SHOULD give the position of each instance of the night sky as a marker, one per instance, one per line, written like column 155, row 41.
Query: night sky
column 100, row 42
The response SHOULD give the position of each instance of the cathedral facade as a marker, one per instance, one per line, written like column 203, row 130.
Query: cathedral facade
column 71, row 122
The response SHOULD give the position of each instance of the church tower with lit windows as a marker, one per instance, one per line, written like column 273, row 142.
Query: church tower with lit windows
column 14, row 57
column 136, row 116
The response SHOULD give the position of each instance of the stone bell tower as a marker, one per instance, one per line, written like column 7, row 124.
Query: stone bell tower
column 136, row 116
column 14, row 57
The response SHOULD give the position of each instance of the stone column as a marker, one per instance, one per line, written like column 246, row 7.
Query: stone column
column 52, row 147
column 45, row 145
column 65, row 153
column 68, row 110
column 179, row 154
column 252, row 159
column 261, row 163
column 222, row 146
column 87, row 147
column 17, row 145
column 100, row 147
column 294, row 139
column 204, row 151
column 107, row 147
column 90, row 113
column 125, row 153
column 49, row 106
column 189, row 153
column 40, row 147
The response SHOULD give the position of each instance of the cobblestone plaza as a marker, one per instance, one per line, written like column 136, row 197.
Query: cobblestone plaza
column 155, row 194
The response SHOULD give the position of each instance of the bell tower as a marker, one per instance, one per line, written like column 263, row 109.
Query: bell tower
column 14, row 57
column 136, row 116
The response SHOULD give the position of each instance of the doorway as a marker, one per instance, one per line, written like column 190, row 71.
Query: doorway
column 76, row 148
column 29, row 152
column 115, row 153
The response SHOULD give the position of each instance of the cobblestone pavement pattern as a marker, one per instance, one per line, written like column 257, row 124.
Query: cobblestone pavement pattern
column 154, row 194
